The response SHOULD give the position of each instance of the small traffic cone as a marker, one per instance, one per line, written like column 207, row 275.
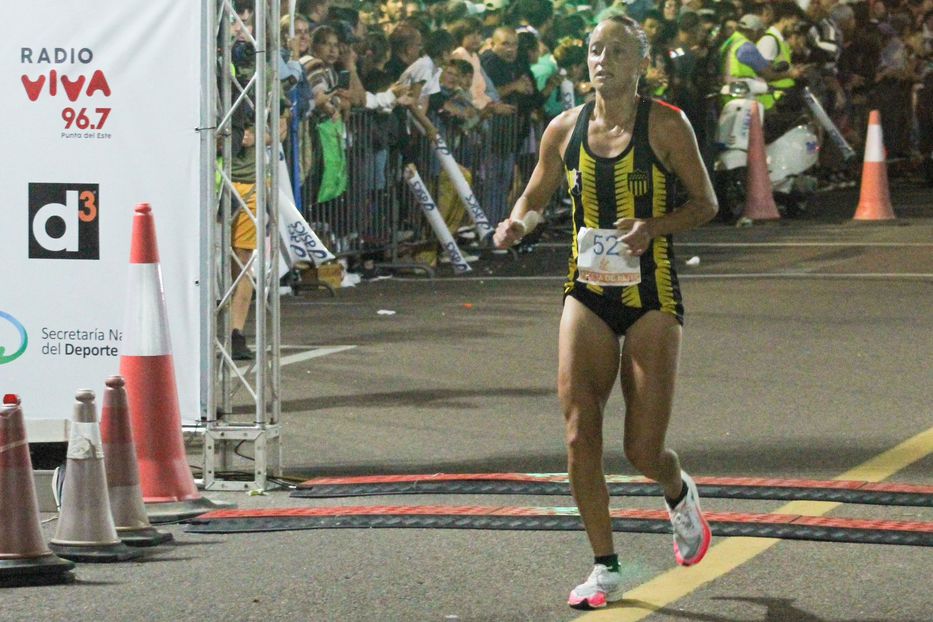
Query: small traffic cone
column 147, row 365
column 126, row 497
column 24, row 557
column 874, row 202
column 759, row 198
column 85, row 531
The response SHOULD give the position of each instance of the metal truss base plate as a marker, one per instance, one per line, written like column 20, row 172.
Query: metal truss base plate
column 222, row 441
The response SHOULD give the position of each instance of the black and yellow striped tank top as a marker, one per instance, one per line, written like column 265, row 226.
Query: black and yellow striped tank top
column 634, row 184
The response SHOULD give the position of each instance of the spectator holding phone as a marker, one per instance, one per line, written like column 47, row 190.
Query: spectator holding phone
column 329, row 99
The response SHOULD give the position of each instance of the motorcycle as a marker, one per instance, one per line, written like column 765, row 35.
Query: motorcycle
column 790, row 157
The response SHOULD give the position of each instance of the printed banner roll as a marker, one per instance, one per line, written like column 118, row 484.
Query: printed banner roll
column 442, row 151
column 813, row 103
column 434, row 218
column 299, row 242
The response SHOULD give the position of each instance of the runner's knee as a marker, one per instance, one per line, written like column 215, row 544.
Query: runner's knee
column 584, row 441
column 645, row 457
column 584, row 427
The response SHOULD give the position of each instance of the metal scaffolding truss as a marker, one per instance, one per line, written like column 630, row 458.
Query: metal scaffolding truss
column 222, row 378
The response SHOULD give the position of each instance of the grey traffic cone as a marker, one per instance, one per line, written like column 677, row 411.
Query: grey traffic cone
column 85, row 531
column 126, row 497
column 24, row 557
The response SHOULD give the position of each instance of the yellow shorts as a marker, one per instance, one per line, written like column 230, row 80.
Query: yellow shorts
column 244, row 229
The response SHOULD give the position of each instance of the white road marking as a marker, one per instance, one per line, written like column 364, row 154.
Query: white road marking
column 303, row 356
column 313, row 354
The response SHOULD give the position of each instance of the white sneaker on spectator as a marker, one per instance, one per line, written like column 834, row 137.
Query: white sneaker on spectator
column 601, row 587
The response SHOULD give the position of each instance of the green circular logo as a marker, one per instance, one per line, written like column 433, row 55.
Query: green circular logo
column 4, row 358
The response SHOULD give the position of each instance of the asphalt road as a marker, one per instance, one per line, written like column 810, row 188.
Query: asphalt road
column 807, row 353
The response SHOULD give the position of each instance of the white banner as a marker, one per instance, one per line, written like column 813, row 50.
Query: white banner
column 300, row 244
column 101, row 102
column 434, row 218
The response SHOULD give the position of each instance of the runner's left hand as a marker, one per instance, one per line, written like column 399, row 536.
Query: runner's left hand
column 638, row 237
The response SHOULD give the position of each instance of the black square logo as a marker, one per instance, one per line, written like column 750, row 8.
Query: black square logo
column 64, row 221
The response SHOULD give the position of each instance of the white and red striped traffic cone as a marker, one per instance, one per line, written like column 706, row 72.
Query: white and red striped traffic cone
column 874, row 202
column 147, row 365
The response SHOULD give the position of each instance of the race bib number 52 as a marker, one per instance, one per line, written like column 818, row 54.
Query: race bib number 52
column 603, row 259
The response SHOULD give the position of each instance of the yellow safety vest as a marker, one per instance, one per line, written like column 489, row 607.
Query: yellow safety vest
column 732, row 67
column 779, row 86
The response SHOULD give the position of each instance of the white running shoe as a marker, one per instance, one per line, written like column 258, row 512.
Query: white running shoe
column 691, row 531
column 601, row 587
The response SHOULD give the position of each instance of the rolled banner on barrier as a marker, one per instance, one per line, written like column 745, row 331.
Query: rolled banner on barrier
column 567, row 96
column 436, row 221
column 817, row 109
column 299, row 242
column 442, row 151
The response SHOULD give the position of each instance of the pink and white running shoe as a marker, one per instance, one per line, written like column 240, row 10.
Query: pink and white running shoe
column 691, row 531
column 601, row 587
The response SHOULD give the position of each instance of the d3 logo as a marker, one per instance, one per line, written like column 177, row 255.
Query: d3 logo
column 63, row 221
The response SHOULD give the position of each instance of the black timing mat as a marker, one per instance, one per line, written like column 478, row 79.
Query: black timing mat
column 872, row 493
column 786, row 526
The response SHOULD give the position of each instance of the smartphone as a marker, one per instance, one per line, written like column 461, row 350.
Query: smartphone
column 343, row 79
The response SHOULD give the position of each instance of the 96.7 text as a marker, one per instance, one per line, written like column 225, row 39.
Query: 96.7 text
column 80, row 119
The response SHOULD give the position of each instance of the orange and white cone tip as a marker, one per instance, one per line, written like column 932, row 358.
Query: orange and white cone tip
column 874, row 197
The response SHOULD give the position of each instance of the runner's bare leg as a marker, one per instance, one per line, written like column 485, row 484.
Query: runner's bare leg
column 649, row 367
column 588, row 362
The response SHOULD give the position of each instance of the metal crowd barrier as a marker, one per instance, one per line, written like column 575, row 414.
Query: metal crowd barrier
column 377, row 217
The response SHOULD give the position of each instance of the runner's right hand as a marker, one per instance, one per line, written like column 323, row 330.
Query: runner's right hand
column 508, row 233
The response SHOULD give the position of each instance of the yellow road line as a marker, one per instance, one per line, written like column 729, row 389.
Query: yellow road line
column 731, row 553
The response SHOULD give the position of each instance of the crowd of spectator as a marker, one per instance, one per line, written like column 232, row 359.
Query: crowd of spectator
column 490, row 75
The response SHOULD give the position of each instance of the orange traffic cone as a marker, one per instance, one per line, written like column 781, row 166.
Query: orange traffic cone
column 126, row 497
column 24, row 557
column 147, row 365
column 85, row 531
column 759, row 199
column 874, row 202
